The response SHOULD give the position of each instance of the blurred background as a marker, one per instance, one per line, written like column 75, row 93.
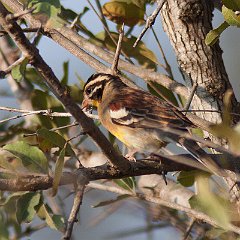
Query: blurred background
column 130, row 221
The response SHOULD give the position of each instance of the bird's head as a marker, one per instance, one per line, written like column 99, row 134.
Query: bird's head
column 94, row 88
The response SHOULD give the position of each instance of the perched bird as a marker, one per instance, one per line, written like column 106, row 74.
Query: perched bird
column 138, row 118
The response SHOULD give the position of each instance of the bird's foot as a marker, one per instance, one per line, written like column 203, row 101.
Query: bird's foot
column 130, row 157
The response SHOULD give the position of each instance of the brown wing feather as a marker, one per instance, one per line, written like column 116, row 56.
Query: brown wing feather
column 148, row 111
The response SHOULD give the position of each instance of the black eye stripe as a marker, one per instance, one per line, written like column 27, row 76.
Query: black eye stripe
column 93, row 88
column 88, row 91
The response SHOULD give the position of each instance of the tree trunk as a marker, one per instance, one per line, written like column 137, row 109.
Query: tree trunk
column 187, row 24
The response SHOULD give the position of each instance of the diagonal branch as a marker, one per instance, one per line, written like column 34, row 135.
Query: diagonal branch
column 150, row 21
column 82, row 181
column 118, row 51
column 190, row 212
column 32, row 53
column 33, row 182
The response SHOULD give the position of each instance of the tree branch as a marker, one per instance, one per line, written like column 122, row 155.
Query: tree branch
column 31, row 52
column 81, row 184
column 74, row 43
column 190, row 212
column 150, row 21
column 33, row 182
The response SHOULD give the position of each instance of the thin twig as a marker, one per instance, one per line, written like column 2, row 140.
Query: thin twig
column 190, row 226
column 208, row 110
column 167, row 66
column 76, row 206
column 20, row 14
column 9, row 69
column 151, row 84
column 48, row 113
column 29, row 50
column 190, row 98
column 78, row 135
column 26, row 30
column 190, row 212
column 205, row 143
column 108, row 32
column 74, row 21
column 114, row 67
column 101, row 12
column 150, row 21
column 37, row 37
column 53, row 129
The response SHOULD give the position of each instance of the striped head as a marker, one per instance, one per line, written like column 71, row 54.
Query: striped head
column 94, row 87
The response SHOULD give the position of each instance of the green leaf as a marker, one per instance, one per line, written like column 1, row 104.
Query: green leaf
column 109, row 202
column 33, row 77
column 19, row 70
column 54, row 221
column 168, row 94
column 76, row 93
column 12, row 197
column 49, row 7
column 4, row 232
column 32, row 157
column 187, row 178
column 141, row 53
column 64, row 79
column 215, row 233
column 58, row 171
column 210, row 203
column 48, row 102
column 231, row 17
column 214, row 34
column 126, row 183
column 127, row 12
column 47, row 11
column 26, row 206
column 225, row 129
column 70, row 15
column 54, row 139
column 232, row 4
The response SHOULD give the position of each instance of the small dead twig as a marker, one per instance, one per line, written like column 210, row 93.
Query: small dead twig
column 190, row 226
column 48, row 113
column 118, row 51
column 74, row 21
column 9, row 69
column 190, row 212
column 150, row 21
column 26, row 30
column 53, row 129
column 105, row 26
column 208, row 110
column 151, row 84
column 167, row 67
column 82, row 182
column 16, row 16
column 101, row 13
column 189, row 101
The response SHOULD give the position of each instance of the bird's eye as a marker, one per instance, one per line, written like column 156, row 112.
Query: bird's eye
column 88, row 91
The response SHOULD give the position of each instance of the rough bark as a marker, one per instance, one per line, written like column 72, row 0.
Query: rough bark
column 187, row 24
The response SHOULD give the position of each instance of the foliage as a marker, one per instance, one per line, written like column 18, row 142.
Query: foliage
column 42, row 145
column 230, row 11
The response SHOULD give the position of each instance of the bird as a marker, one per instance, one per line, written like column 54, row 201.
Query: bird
column 139, row 119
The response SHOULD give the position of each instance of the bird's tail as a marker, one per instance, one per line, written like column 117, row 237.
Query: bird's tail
column 203, row 157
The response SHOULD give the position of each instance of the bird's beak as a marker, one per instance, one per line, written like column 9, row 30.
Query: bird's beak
column 86, row 104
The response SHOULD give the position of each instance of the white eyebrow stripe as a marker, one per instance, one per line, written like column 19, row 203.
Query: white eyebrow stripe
column 95, row 89
column 97, row 80
column 121, row 113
